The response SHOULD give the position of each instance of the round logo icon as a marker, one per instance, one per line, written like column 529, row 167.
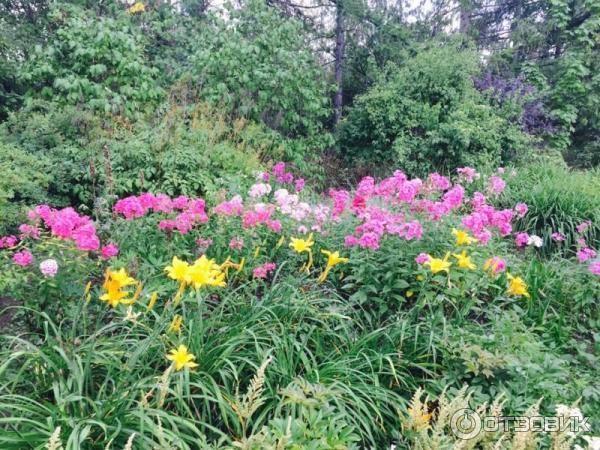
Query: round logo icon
column 465, row 424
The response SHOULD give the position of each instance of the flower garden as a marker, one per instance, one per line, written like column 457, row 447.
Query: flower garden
column 278, row 316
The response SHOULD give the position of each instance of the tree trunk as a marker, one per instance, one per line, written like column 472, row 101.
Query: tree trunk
column 465, row 17
column 517, row 52
column 340, row 44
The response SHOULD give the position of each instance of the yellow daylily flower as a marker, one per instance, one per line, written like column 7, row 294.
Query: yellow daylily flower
column 121, row 277
column 462, row 237
column 241, row 265
column 464, row 261
column 114, row 296
column 437, row 265
column 302, row 245
column 114, row 282
column 205, row 272
column 138, row 7
column 178, row 270
column 333, row 259
column 175, row 325
column 517, row 286
column 182, row 358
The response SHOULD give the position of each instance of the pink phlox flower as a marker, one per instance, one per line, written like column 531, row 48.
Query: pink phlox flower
column 521, row 209
column 496, row 185
column 585, row 254
column 233, row 207
column 31, row 231
column 467, row 174
column 521, row 239
column 422, row 258
column 109, row 251
column 439, row 182
column 23, row 258
column 264, row 270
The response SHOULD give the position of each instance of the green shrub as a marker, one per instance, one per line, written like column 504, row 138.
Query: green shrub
column 259, row 66
column 191, row 150
column 498, row 356
column 23, row 183
column 559, row 199
column 93, row 62
column 426, row 115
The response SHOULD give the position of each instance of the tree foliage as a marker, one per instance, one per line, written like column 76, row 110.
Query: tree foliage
column 427, row 115
column 92, row 62
column 258, row 64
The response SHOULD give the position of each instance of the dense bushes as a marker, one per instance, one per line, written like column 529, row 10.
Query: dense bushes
column 191, row 150
column 24, row 181
column 427, row 115
column 559, row 200
column 258, row 65
column 96, row 63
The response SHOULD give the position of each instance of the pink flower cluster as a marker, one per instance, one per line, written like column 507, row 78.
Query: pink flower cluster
column 8, row 241
column 299, row 185
column 203, row 244
column 340, row 202
column 259, row 190
column 521, row 239
column 467, row 174
column 558, row 236
column 397, row 191
column 451, row 200
column 68, row 225
column 496, row 185
column 422, row 258
column 236, row 243
column 32, row 231
column 583, row 226
column 281, row 175
column 233, row 207
column 264, row 270
column 377, row 222
column 261, row 215
column 290, row 205
column 496, row 264
column 49, row 268
column 191, row 210
column 585, row 254
column 23, row 258
column 437, row 181
column 109, row 251
column 485, row 217
column 521, row 209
